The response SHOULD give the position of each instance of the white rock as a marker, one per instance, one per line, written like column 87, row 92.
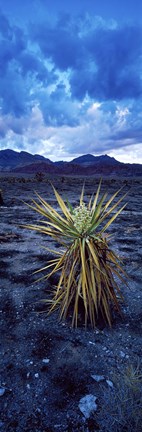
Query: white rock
column 92, row 343
column 87, row 405
column 98, row 378
column 122, row 354
column 45, row 360
column 2, row 391
column 36, row 375
column 110, row 383
column 38, row 410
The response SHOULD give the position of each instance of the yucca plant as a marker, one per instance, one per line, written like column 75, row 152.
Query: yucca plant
column 88, row 269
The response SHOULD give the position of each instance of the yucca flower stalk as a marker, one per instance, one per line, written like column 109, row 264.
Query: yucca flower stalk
column 88, row 269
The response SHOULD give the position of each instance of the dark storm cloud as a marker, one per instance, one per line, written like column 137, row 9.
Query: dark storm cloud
column 57, row 108
column 117, row 54
column 14, row 46
column 12, row 88
column 134, row 135
column 31, row 65
column 113, row 64
column 104, row 62
column 98, row 59
column 12, row 42
column 7, row 123
column 58, row 42
column 20, row 68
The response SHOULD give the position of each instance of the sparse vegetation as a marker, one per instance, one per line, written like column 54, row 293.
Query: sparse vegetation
column 121, row 407
column 39, row 176
column 87, row 265
column 65, row 358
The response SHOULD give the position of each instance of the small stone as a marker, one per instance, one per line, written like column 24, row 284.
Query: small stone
column 2, row 391
column 46, row 360
column 87, row 405
column 36, row 375
column 28, row 374
column 98, row 378
column 122, row 354
column 110, row 383
column 28, row 386
column 92, row 343
column 38, row 410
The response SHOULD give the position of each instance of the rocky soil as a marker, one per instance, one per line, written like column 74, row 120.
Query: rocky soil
column 48, row 367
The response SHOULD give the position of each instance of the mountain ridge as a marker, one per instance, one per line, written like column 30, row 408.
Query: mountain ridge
column 88, row 164
column 11, row 158
column 89, row 159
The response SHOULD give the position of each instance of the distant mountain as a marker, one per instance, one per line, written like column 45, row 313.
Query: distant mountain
column 88, row 159
column 85, row 165
column 10, row 159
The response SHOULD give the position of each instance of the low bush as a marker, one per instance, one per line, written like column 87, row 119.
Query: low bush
column 89, row 268
column 121, row 407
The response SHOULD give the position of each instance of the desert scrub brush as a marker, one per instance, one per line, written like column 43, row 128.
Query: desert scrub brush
column 88, row 268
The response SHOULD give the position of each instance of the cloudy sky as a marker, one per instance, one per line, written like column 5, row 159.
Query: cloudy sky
column 71, row 77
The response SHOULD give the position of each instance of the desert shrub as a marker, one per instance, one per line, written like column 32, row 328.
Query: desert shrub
column 121, row 407
column 89, row 269
column 39, row 177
